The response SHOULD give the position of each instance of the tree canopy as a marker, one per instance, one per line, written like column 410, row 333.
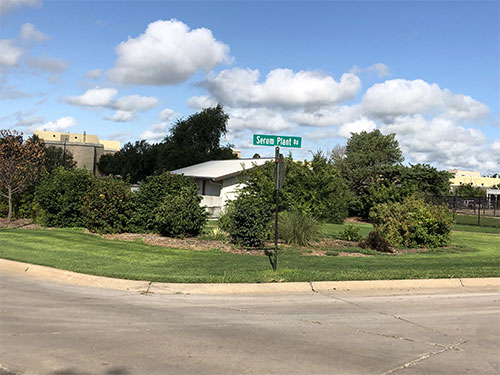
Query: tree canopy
column 371, row 165
column 193, row 140
column 196, row 140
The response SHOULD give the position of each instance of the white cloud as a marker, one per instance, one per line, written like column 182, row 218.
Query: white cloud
column 27, row 119
column 201, row 102
column 94, row 74
column 401, row 97
column 321, row 134
column 47, row 64
column 281, row 88
column 381, row 69
column 156, row 132
column 30, row 34
column 363, row 124
column 442, row 141
column 167, row 53
column 9, row 53
column 7, row 5
column 12, row 92
column 104, row 98
column 93, row 98
column 122, row 116
column 167, row 114
column 60, row 125
column 257, row 119
column 134, row 103
column 327, row 116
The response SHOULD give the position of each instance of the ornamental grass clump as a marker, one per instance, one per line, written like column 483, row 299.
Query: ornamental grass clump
column 297, row 227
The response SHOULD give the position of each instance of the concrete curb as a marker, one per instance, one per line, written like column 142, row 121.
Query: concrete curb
column 42, row 272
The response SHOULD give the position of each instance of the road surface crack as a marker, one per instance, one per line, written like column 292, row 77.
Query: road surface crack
column 384, row 313
column 423, row 357
column 402, row 338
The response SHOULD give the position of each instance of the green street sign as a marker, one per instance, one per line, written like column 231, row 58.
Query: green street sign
column 277, row 140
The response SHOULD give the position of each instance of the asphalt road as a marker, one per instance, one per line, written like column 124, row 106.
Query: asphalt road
column 61, row 329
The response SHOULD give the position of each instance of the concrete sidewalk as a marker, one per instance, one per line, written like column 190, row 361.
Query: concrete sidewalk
column 74, row 278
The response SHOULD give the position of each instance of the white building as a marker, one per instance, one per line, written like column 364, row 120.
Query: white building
column 218, row 181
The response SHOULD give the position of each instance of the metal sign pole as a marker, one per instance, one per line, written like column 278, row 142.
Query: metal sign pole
column 277, row 192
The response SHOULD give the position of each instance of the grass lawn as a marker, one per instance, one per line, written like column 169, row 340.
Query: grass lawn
column 485, row 221
column 474, row 254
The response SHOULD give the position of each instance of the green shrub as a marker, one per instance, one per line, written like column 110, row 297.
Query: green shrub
column 224, row 222
column 297, row 227
column 413, row 223
column 107, row 206
column 180, row 214
column 316, row 187
column 60, row 197
column 350, row 233
column 151, row 195
column 376, row 241
column 249, row 221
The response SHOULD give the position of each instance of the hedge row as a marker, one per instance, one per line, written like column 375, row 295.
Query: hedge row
column 167, row 204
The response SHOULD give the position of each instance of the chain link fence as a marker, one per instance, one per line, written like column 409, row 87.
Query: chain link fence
column 484, row 211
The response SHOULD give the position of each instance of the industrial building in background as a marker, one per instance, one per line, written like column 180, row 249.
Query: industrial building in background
column 472, row 177
column 85, row 148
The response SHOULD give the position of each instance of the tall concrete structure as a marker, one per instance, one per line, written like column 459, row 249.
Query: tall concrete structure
column 85, row 148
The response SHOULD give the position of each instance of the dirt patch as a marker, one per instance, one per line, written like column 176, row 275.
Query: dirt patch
column 344, row 254
column 176, row 243
column 331, row 243
column 355, row 220
column 19, row 223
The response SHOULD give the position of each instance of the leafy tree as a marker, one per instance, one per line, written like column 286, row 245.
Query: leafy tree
column 371, row 165
column 134, row 162
column 469, row 191
column 56, row 157
column 19, row 164
column 426, row 179
column 195, row 140
column 191, row 141
column 367, row 155
column 315, row 187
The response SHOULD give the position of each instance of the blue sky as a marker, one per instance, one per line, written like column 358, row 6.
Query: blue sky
column 126, row 70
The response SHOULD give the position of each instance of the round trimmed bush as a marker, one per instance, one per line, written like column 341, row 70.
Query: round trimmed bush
column 249, row 221
column 181, row 214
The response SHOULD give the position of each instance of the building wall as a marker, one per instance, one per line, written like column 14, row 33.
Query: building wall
column 85, row 148
column 474, row 177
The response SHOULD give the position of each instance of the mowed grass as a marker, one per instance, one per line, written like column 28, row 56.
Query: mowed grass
column 484, row 221
column 473, row 254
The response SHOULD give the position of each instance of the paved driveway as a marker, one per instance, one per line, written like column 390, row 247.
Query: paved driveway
column 59, row 329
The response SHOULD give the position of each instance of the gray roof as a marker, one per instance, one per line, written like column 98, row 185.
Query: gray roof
column 220, row 169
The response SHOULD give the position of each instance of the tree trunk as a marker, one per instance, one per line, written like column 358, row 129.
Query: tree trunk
column 9, row 193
